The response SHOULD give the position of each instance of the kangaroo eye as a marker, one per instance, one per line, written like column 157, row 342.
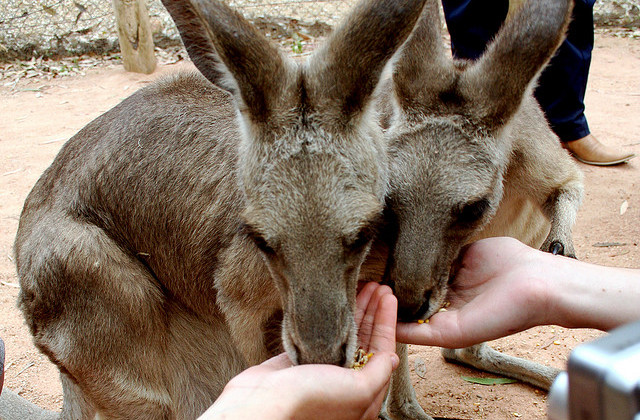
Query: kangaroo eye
column 258, row 240
column 364, row 237
column 263, row 246
column 470, row 213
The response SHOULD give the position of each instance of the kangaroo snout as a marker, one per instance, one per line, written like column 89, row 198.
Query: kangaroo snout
column 418, row 284
column 319, row 328
column 324, row 353
column 420, row 307
column 306, row 344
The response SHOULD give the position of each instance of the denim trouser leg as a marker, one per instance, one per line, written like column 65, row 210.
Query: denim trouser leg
column 562, row 85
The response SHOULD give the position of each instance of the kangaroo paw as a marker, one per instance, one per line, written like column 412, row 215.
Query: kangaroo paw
column 556, row 247
column 485, row 358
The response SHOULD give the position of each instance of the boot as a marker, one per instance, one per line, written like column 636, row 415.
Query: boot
column 590, row 151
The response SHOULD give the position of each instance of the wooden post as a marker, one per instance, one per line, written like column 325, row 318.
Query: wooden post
column 135, row 36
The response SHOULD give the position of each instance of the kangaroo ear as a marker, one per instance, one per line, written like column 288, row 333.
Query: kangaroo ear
column 198, row 43
column 500, row 78
column 231, row 53
column 345, row 71
column 422, row 70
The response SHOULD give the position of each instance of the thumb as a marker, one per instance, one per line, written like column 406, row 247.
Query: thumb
column 379, row 368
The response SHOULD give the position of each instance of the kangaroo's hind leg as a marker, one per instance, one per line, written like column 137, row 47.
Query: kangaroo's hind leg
column 401, row 401
column 97, row 312
column 103, row 318
column 485, row 358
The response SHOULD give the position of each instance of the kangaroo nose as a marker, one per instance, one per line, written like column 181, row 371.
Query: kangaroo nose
column 318, row 354
column 417, row 310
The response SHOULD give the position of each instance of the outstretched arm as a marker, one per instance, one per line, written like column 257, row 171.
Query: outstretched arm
column 501, row 287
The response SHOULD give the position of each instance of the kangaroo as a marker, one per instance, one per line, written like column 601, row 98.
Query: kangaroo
column 471, row 155
column 211, row 219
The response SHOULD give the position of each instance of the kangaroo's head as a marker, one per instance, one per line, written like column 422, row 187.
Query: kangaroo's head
column 449, row 146
column 312, row 161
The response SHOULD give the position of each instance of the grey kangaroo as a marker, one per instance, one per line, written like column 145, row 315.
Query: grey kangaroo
column 471, row 155
column 183, row 235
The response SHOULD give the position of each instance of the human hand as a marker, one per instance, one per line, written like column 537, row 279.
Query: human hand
column 276, row 389
column 498, row 289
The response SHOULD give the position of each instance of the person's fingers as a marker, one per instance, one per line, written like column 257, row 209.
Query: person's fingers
column 457, row 264
column 383, row 334
column 362, row 300
column 369, row 320
column 380, row 366
column 480, row 320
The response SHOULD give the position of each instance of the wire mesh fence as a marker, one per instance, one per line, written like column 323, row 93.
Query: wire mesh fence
column 31, row 28
column 34, row 28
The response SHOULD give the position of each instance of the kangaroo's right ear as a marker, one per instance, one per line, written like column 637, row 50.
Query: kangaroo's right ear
column 198, row 43
column 346, row 69
column 231, row 53
column 521, row 49
column 423, row 70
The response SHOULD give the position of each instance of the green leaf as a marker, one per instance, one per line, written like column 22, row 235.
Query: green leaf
column 489, row 381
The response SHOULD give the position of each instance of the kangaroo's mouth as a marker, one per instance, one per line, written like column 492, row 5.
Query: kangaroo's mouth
column 415, row 304
column 423, row 312
column 338, row 350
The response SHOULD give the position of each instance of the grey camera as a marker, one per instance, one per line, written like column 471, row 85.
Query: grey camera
column 602, row 381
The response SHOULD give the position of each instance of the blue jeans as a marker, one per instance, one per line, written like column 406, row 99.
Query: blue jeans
column 563, row 83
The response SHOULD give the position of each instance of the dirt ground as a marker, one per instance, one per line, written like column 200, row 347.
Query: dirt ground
column 38, row 115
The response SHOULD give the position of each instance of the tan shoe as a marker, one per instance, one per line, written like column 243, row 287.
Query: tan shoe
column 590, row 151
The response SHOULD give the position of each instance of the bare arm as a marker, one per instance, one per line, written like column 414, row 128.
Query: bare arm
column 594, row 296
column 502, row 286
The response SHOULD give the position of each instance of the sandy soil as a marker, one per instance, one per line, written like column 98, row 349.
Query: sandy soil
column 38, row 116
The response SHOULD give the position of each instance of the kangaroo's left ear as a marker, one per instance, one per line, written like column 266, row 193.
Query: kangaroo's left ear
column 527, row 41
column 347, row 68
column 422, row 69
column 231, row 53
